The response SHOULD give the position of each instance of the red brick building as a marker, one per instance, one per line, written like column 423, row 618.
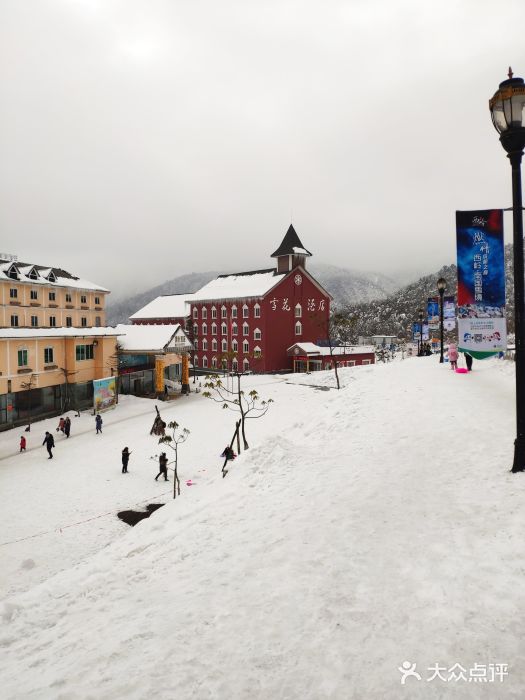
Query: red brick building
column 248, row 320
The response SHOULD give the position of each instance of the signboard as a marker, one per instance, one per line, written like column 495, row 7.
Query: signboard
column 482, row 328
column 104, row 394
column 433, row 313
column 449, row 313
column 416, row 331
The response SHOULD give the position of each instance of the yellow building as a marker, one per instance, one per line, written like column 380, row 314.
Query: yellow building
column 34, row 296
column 50, row 371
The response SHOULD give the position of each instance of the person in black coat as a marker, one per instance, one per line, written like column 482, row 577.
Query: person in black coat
column 163, row 465
column 49, row 442
column 125, row 459
column 98, row 423
column 67, row 426
column 468, row 360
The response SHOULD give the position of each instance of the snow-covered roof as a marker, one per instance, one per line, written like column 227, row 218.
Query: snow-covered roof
column 60, row 332
column 61, row 277
column 166, row 306
column 240, row 285
column 151, row 338
column 323, row 351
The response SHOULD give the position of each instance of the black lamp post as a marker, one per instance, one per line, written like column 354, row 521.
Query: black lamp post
column 441, row 285
column 507, row 108
column 420, row 314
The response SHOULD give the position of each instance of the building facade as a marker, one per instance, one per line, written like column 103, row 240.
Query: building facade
column 308, row 357
column 34, row 296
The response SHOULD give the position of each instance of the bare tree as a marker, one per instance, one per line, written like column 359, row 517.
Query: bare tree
column 338, row 328
column 249, row 405
column 177, row 437
column 67, row 398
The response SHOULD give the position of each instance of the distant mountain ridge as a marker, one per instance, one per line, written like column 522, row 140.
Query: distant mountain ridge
column 344, row 285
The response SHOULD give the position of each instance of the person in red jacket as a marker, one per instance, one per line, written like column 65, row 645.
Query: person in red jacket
column 22, row 444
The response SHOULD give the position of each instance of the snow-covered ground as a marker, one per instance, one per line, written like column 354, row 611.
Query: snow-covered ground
column 364, row 528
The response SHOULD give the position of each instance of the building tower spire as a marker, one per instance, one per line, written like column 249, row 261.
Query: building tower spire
column 291, row 252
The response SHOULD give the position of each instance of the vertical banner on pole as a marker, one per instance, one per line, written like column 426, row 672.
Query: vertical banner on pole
column 482, row 327
column 449, row 313
column 433, row 313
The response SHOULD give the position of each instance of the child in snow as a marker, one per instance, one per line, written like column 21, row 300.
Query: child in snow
column 453, row 356
column 125, row 459
column 163, row 465
column 22, row 444
column 98, row 423
column 61, row 424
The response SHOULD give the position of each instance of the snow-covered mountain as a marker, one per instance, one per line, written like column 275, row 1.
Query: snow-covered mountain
column 346, row 286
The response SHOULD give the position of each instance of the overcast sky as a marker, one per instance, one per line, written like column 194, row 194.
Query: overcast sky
column 145, row 139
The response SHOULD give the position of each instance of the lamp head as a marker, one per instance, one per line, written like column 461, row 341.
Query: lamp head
column 507, row 109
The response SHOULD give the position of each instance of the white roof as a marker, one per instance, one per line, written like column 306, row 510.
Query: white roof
column 252, row 284
column 313, row 349
column 166, row 306
column 150, row 338
column 60, row 332
column 25, row 268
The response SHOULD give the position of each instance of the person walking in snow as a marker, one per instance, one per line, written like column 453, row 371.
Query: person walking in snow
column 67, row 426
column 22, row 444
column 125, row 460
column 49, row 442
column 98, row 423
column 60, row 426
column 453, row 356
column 163, row 464
column 468, row 360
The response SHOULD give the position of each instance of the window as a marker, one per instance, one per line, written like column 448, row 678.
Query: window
column 257, row 351
column 350, row 363
column 48, row 356
column 235, row 365
column 52, row 296
column 245, row 346
column 214, row 329
column 204, row 329
column 245, row 365
column 68, row 298
column 224, row 346
column 53, row 321
column 98, row 321
column 13, row 293
column 14, row 320
column 224, row 363
column 83, row 299
column 195, row 361
column 204, row 312
column 195, row 330
column 33, row 274
column 97, row 301
column 224, row 329
column 224, row 312
column 257, row 335
column 196, row 344
column 234, row 346
column 214, row 345
column 365, row 362
column 298, row 328
column 195, row 313
column 34, row 294
column 234, row 329
column 245, row 329
column 204, row 344
column 84, row 352
column 22, row 358
column 204, row 361
column 214, row 362
column 298, row 311
column 34, row 321
column 257, row 311
column 83, row 322
column 69, row 321
column 213, row 312
column 234, row 311
column 245, row 311
column 13, row 273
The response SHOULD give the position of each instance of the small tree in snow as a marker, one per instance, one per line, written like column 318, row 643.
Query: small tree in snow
column 28, row 386
column 249, row 405
column 177, row 437
column 338, row 329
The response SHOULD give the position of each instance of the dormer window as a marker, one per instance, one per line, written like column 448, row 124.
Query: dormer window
column 52, row 277
column 13, row 272
column 33, row 274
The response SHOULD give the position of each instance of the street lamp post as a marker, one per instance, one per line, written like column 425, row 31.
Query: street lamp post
column 507, row 108
column 441, row 285
column 420, row 314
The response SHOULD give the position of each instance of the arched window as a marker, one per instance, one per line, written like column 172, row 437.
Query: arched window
column 298, row 311
column 235, row 365
column 214, row 345
column 234, row 345
column 257, row 351
column 224, row 363
column 195, row 360
column 195, row 329
column 214, row 362
column 245, row 365
column 204, row 312
column 214, row 329
column 245, row 329
column 224, row 329
column 234, row 329
column 298, row 328
column 224, row 345
column 195, row 312
column 245, row 311
column 245, row 346
column 196, row 344
column 204, row 344
column 257, row 334
column 204, row 361
column 204, row 329
column 213, row 312
column 234, row 311
column 224, row 312
column 257, row 311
